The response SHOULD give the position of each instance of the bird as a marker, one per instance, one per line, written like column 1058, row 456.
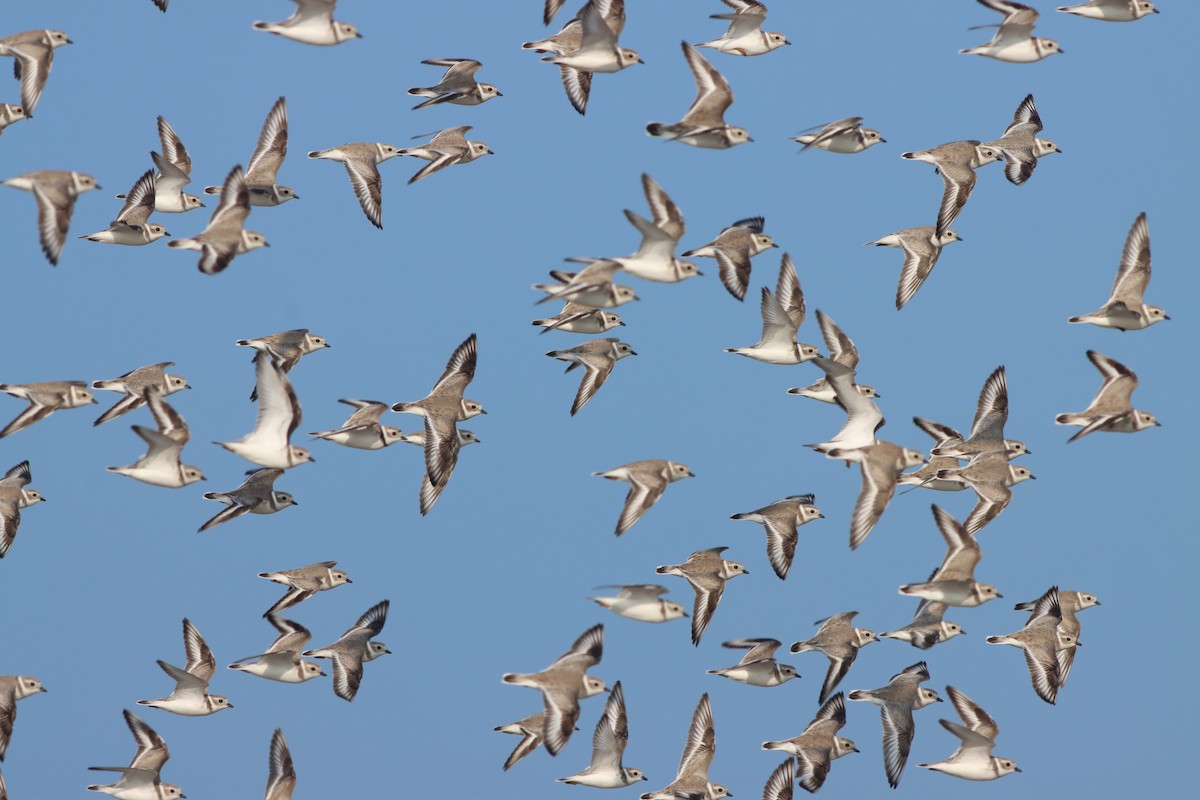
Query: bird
column 655, row 257
column 278, row 416
column 13, row 497
column 840, row 136
column 733, row 248
column 647, row 479
column 44, row 399
column 758, row 667
column 1069, row 603
column 281, row 662
column 225, row 235
column 131, row 226
column 691, row 779
column 161, row 465
column 1014, row 40
column 990, row 476
column 255, row 495
column 987, row 428
column 286, row 347
column 174, row 172
column 567, row 39
column 447, row 147
column 956, row 162
column 562, row 684
column 927, row 628
column 1111, row 409
column 745, row 36
column 443, row 408
column 881, row 465
column 12, row 689
column 1126, row 308
column 591, row 286
column 362, row 429
column 1041, row 640
column 281, row 773
column 896, row 702
column 842, row 350
column 597, row 357
column 973, row 760
column 33, row 56
column 55, row 192
column 353, row 648
column 863, row 417
column 190, row 697
column 640, row 602
column 303, row 583
column 1112, row 10
column 926, row 476
column 605, row 770
column 780, row 520
column 362, row 160
column 11, row 113
column 141, row 778
column 840, row 641
column 593, row 48
column 1019, row 144
column 134, row 384
column 457, row 86
column 953, row 583
column 922, row 248
column 704, row 123
column 312, row 23
column 264, row 164
column 707, row 572
column 782, row 315
column 530, row 729
column 578, row 318
column 818, row 745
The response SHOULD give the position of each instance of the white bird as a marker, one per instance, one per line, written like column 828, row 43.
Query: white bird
column 160, row 466
column 312, row 23
column 973, row 760
column 1126, row 308
column 1014, row 40
column 745, row 36
column 605, row 770
column 278, row 416
column 782, row 315
column 190, row 697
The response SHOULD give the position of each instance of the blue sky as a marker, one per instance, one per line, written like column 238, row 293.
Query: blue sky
column 495, row 579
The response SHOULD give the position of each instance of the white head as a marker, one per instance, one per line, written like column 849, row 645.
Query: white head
column 471, row 409
column 391, row 435
column 716, row 790
column 735, row 135
column 1082, row 600
column 383, row 152
column 1142, row 420
column 623, row 295
column 864, row 636
column 14, row 112
column 870, row 137
column 252, row 240
column 986, row 155
column 82, row 182
column 219, row 702
column 284, row 193
column 337, row 577
column 677, row 471
column 787, row 672
column 167, row 790
column 1047, row 47
column 842, row 747
column 1141, row 9
column 627, row 58
column 343, row 31
column 375, row 650
column 622, row 350
column 312, row 343
column 593, row 686
column 633, row 775
column 608, row 320
column 27, row 686
column 731, row 569
column 775, row 40
column 986, row 591
column 487, row 91
column 761, row 242
column 1018, row 474
column 926, row 697
column 310, row 670
column 79, row 396
column 866, row 391
column 948, row 236
column 1004, row 766
column 466, row 437
column 189, row 474
column 1013, row 448
column 950, row 629
column 190, row 201
column 477, row 149
column 808, row 513
column 298, row 455
column 911, row 458
column 154, row 232
column 57, row 38
column 1154, row 314
column 282, row 500
column 1044, row 147
column 176, row 383
column 672, row 610
column 29, row 497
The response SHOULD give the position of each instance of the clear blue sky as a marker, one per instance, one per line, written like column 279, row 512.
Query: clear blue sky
column 495, row 579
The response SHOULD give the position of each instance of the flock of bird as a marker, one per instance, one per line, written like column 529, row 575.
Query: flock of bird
column 586, row 46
